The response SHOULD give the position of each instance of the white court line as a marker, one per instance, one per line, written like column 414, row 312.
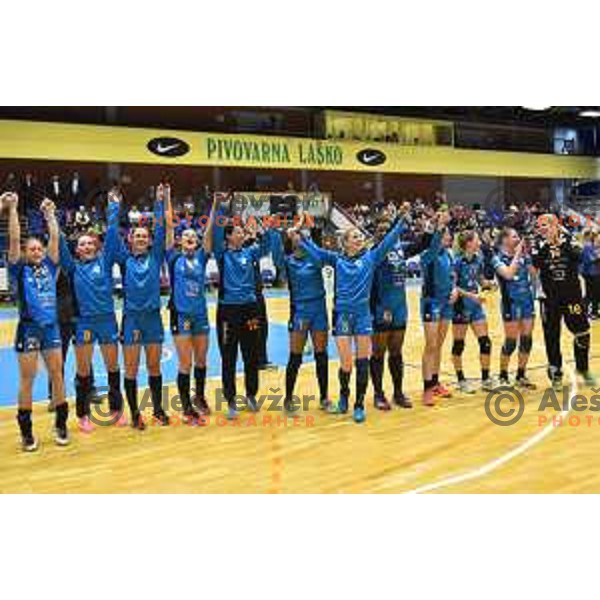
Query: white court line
column 502, row 460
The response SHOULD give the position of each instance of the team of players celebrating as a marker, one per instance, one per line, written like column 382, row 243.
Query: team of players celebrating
column 369, row 314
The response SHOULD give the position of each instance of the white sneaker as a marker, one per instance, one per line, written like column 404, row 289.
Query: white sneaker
column 465, row 387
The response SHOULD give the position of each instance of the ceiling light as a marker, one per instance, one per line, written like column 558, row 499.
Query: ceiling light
column 590, row 113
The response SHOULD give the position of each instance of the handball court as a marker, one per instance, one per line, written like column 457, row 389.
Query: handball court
column 452, row 448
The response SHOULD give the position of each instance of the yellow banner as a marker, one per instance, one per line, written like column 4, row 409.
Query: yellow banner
column 57, row 141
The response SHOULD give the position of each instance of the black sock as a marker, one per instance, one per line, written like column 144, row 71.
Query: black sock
column 200, row 377
column 428, row 384
column 322, row 365
column 581, row 350
column 344, row 378
column 155, row 383
column 485, row 374
column 504, row 374
column 362, row 380
column 396, row 366
column 183, row 385
column 291, row 373
column 82, row 396
column 460, row 374
column 131, row 391
column 61, row 415
column 435, row 380
column 376, row 365
column 24, row 421
column 115, row 398
column 520, row 373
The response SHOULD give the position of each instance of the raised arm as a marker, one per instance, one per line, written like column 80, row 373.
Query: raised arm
column 318, row 255
column 49, row 210
column 114, row 248
column 214, row 238
column 158, row 244
column 509, row 271
column 380, row 251
column 66, row 259
column 14, row 227
column 169, row 219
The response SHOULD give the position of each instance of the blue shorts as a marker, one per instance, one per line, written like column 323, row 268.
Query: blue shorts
column 309, row 316
column 102, row 329
column 433, row 310
column 515, row 310
column 467, row 311
column 185, row 324
column 390, row 318
column 32, row 337
column 348, row 323
column 142, row 328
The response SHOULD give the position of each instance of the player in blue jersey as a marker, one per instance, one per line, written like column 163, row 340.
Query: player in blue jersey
column 514, row 268
column 33, row 273
column 142, row 323
column 352, row 321
column 308, row 313
column 189, row 314
column 237, row 309
column 390, row 315
column 438, row 294
column 91, row 282
column 468, row 309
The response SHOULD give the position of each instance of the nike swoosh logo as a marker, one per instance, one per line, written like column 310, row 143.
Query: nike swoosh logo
column 164, row 149
column 369, row 158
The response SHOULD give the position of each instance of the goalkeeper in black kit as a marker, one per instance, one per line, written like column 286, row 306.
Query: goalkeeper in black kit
column 556, row 257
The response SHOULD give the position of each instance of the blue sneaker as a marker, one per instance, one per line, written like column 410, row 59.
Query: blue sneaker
column 232, row 413
column 251, row 404
column 341, row 408
column 359, row 415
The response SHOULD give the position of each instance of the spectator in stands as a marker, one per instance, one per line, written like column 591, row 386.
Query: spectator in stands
column 135, row 216
column 75, row 191
column 82, row 219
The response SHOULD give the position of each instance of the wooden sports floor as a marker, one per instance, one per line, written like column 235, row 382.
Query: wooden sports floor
column 453, row 448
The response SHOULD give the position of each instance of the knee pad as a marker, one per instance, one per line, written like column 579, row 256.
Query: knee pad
column 458, row 347
column 295, row 360
column 485, row 344
column 582, row 340
column 510, row 345
column 525, row 344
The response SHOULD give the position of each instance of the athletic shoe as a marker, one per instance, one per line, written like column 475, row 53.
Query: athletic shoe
column 442, row 391
column 341, row 408
column 488, row 385
column 138, row 422
column 118, row 418
column 588, row 379
column 324, row 404
column 85, row 425
column 268, row 366
column 381, row 403
column 202, row 406
column 29, row 443
column 524, row 383
column 428, row 397
column 232, row 413
column 191, row 417
column 359, row 414
column 61, row 436
column 465, row 387
column 251, row 404
column 162, row 418
column 557, row 384
column 402, row 401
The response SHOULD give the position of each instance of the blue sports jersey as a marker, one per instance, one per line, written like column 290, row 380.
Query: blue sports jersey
column 354, row 275
column 469, row 272
column 237, row 268
column 389, row 281
column 36, row 291
column 92, row 281
column 436, row 267
column 141, row 273
column 187, row 273
column 520, row 286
